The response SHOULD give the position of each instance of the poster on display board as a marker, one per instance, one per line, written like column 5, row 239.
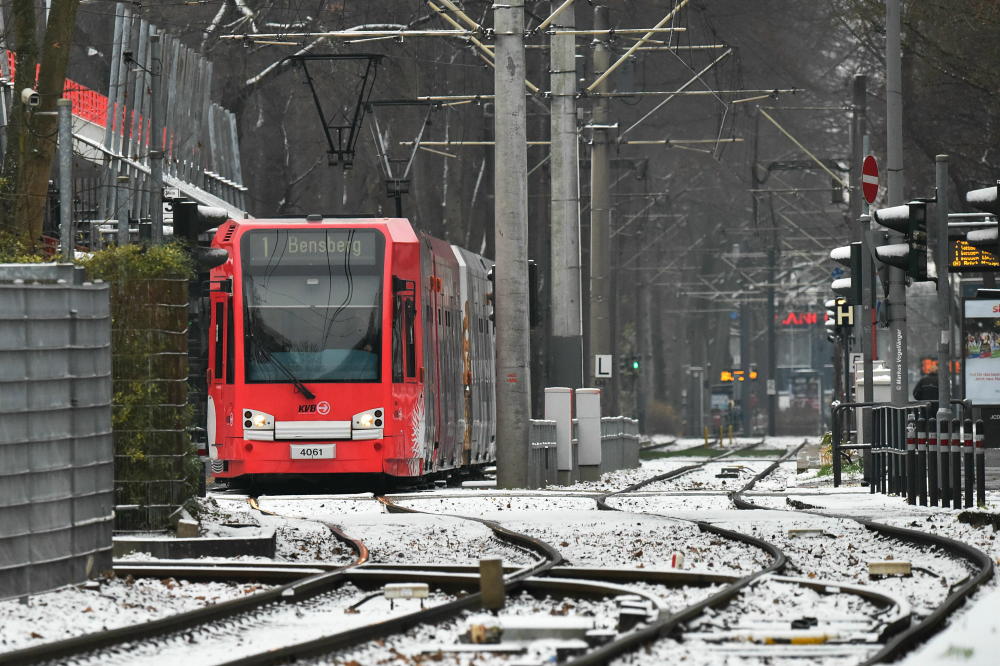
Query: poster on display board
column 981, row 350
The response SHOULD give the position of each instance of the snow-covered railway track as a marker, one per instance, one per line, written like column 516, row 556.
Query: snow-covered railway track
column 979, row 565
column 98, row 647
column 753, row 624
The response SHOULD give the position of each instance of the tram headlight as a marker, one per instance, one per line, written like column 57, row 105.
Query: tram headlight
column 368, row 420
column 256, row 420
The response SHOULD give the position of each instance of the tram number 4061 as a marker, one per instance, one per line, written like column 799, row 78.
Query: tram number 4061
column 314, row 451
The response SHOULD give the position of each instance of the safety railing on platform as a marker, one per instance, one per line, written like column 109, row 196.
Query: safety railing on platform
column 918, row 455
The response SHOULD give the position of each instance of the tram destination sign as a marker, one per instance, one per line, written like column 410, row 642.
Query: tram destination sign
column 967, row 258
column 358, row 247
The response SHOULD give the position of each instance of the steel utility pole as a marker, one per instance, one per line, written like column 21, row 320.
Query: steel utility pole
column 156, row 140
column 894, row 146
column 64, row 108
column 566, row 349
column 943, row 287
column 510, row 178
column 771, row 376
column 744, row 386
column 600, row 211
column 856, row 199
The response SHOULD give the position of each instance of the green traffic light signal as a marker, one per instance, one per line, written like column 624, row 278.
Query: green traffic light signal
column 635, row 364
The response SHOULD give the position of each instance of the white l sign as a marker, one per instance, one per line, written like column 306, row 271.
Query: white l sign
column 602, row 365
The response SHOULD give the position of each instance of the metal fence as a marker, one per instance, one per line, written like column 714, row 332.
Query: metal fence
column 56, row 464
column 542, row 460
column 155, row 466
column 915, row 455
column 619, row 443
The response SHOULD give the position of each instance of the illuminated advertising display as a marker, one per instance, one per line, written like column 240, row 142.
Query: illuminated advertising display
column 981, row 351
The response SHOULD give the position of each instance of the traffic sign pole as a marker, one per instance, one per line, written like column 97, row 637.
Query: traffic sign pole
column 943, row 288
column 867, row 331
column 869, row 179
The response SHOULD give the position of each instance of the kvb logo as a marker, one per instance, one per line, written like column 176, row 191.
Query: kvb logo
column 321, row 407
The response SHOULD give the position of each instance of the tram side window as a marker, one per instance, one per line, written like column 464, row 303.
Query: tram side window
column 397, row 339
column 220, row 318
column 411, row 338
column 230, row 346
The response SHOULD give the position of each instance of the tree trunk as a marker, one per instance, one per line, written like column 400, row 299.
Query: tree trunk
column 28, row 162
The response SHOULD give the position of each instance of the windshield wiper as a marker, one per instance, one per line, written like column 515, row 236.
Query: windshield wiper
column 299, row 386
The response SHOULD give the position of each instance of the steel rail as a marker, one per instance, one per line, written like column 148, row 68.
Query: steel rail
column 653, row 447
column 399, row 624
column 294, row 592
column 668, row 626
column 663, row 627
column 918, row 633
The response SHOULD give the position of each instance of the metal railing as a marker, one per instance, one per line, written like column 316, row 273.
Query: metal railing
column 916, row 455
column 542, row 462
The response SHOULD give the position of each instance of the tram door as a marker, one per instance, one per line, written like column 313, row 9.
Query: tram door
column 221, row 364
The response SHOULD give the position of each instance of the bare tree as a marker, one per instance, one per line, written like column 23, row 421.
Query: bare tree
column 32, row 132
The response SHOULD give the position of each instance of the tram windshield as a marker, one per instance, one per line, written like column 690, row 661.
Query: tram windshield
column 313, row 300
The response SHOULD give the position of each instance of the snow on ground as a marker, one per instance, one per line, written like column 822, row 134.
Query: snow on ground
column 670, row 504
column 590, row 538
column 431, row 643
column 707, row 477
column 496, row 505
column 620, row 539
column 276, row 626
column 611, row 482
column 105, row 603
column 771, row 605
column 400, row 537
column 296, row 540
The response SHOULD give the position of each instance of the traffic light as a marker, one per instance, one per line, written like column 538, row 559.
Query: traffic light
column 911, row 220
column 984, row 199
column 635, row 364
column 837, row 327
column 753, row 372
column 192, row 219
column 849, row 287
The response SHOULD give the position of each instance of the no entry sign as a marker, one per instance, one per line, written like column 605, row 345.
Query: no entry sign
column 869, row 179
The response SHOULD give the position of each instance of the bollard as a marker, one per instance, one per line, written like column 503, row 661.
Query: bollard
column 970, row 468
column 944, row 462
column 921, row 472
column 911, row 459
column 876, row 475
column 491, row 587
column 897, row 436
column 932, row 462
column 956, row 464
column 900, row 447
column 979, row 440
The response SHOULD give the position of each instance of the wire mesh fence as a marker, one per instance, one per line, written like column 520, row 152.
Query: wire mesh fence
column 55, row 438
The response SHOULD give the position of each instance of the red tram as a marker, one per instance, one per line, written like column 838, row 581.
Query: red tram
column 347, row 346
